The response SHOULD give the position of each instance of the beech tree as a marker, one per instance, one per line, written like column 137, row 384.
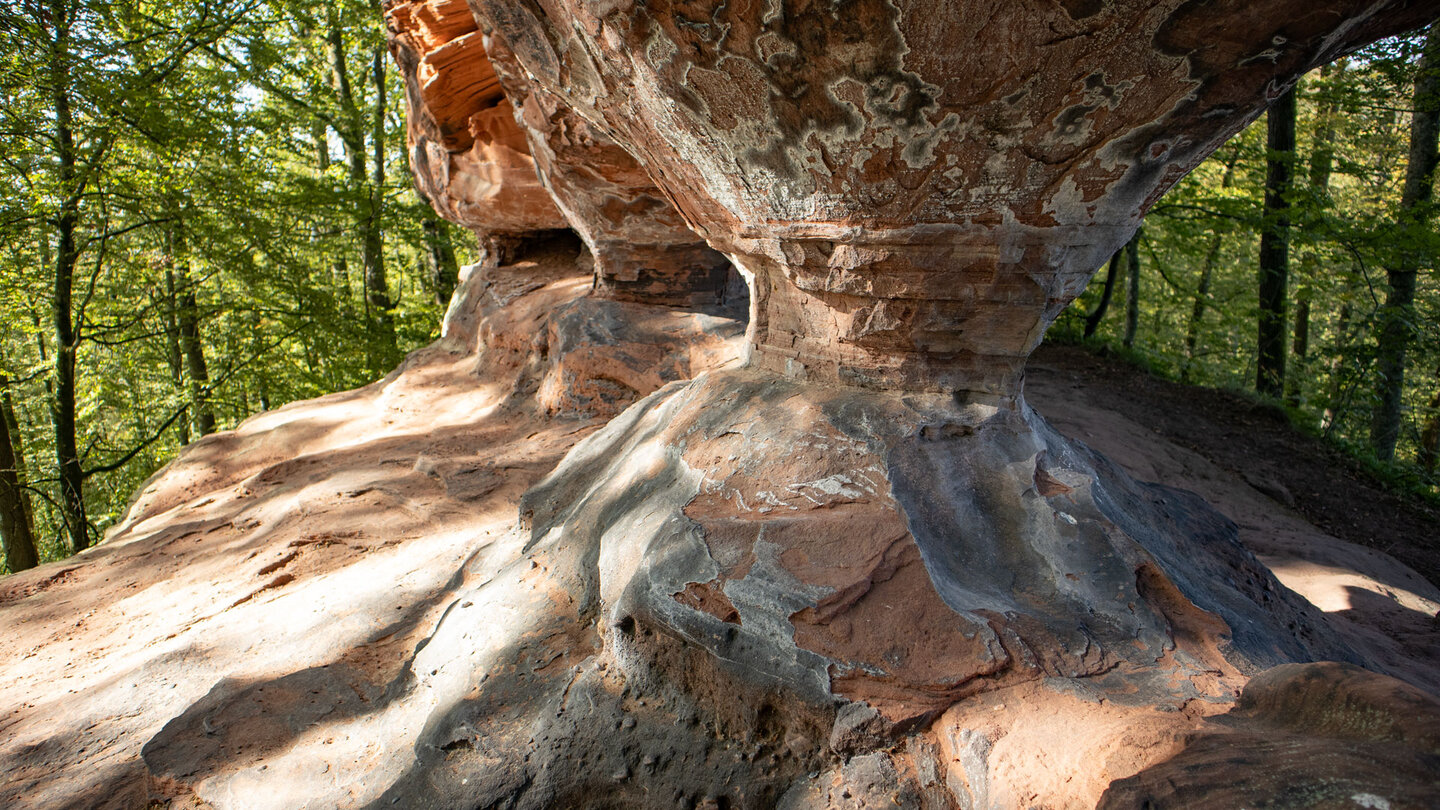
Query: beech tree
column 162, row 185
column 1397, row 317
column 1274, row 263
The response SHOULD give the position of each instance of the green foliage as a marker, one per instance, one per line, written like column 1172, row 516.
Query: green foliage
column 207, row 138
column 1353, row 137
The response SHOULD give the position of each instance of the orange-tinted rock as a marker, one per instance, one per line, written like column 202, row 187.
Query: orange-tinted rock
column 867, row 528
column 1304, row 736
column 478, row 165
column 468, row 155
column 644, row 252
column 920, row 186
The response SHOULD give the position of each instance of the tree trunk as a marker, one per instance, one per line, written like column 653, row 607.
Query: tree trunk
column 169, row 316
column 1322, row 162
column 1337, row 369
column 1132, row 298
column 1207, row 277
column 1198, row 307
column 1300, row 345
column 445, row 271
column 378, row 305
column 62, row 404
column 377, row 288
column 1092, row 321
column 201, row 411
column 339, row 268
column 1397, row 316
column 1275, row 247
column 16, row 528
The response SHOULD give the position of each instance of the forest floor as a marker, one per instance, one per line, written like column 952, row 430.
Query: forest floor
column 1255, row 442
column 255, row 622
column 1313, row 515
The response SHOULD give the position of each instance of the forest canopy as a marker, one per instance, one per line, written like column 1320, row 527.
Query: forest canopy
column 206, row 212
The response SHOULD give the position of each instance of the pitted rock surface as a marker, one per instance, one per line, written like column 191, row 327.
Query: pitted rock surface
column 918, row 187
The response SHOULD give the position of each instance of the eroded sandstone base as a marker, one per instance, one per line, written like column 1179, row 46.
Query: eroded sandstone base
column 706, row 628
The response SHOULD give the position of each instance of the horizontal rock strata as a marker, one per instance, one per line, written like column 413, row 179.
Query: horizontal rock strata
column 467, row 154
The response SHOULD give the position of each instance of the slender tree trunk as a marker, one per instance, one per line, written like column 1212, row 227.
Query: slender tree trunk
column 377, row 287
column 1397, row 315
column 173, row 356
column 62, row 404
column 1132, row 297
column 17, row 445
column 1337, row 368
column 1201, row 302
column 201, row 411
column 378, row 305
column 1322, row 156
column 1092, row 321
column 1275, row 247
column 16, row 528
column 1322, row 162
column 1300, row 344
column 339, row 268
column 195, row 366
column 445, row 271
column 1207, row 277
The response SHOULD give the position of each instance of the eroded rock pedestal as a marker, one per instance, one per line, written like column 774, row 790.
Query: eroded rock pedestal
column 868, row 525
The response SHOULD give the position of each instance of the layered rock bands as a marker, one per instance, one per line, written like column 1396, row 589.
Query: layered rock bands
column 794, row 583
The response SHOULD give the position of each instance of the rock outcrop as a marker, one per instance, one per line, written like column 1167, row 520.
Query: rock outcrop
column 919, row 187
column 486, row 158
column 469, row 157
column 644, row 252
column 868, row 525
column 856, row 570
column 331, row 606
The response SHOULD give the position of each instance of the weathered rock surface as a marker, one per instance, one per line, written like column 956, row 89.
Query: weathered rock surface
column 868, row 518
column 585, row 356
column 496, row 153
column 857, row 571
column 330, row 607
column 468, row 155
column 918, row 187
column 644, row 252
column 1316, row 735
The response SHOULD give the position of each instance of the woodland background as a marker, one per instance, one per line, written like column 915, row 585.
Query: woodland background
column 205, row 212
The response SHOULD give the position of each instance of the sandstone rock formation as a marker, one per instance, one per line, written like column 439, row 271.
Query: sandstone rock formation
column 248, row 636
column 468, row 155
column 1317, row 735
column 472, row 160
column 643, row 250
column 857, row 571
column 868, row 525
column 918, row 187
column 331, row 607
column 583, row 356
